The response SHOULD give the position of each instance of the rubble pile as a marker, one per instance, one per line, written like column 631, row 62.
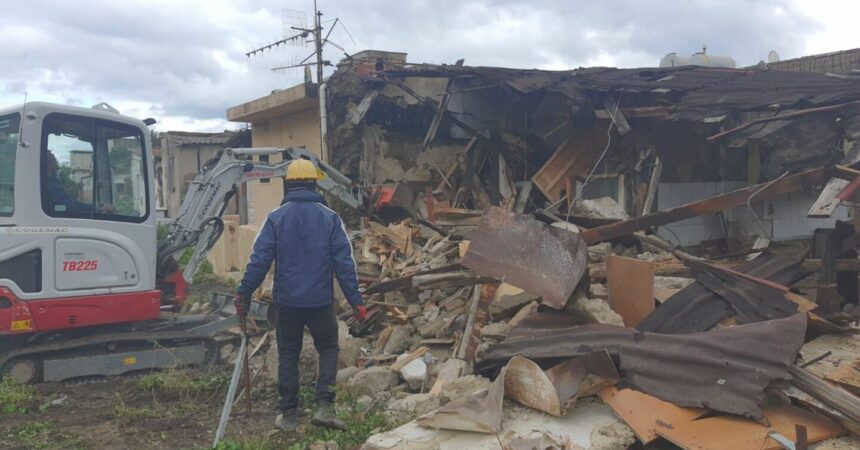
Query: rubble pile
column 459, row 354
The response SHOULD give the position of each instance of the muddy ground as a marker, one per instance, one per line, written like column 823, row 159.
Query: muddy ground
column 166, row 410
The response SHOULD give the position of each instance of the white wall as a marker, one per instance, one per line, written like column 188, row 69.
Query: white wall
column 783, row 218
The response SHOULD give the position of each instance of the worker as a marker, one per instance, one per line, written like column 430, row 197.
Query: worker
column 57, row 198
column 307, row 241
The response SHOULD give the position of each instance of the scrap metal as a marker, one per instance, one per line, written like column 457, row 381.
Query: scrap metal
column 725, row 369
column 701, row 305
column 528, row 254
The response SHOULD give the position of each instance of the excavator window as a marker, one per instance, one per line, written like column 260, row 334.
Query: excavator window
column 94, row 169
column 9, row 128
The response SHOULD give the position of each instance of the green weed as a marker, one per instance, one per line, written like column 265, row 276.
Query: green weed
column 43, row 436
column 16, row 398
column 360, row 424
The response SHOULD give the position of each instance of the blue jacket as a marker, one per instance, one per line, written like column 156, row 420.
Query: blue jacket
column 307, row 241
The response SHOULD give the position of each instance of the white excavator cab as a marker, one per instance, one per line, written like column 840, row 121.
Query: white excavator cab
column 77, row 216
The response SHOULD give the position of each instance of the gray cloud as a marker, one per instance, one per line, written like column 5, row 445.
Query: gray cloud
column 186, row 59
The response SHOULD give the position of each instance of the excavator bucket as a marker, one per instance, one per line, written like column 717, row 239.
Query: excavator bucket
column 528, row 254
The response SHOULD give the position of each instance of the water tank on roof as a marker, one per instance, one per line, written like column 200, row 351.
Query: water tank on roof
column 697, row 59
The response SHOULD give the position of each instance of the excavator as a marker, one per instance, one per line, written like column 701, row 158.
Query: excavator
column 85, row 284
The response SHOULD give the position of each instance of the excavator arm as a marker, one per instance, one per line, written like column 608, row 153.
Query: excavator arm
column 199, row 222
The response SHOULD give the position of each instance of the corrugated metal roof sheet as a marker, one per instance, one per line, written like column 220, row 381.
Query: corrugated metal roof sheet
column 705, row 91
column 698, row 308
column 725, row 369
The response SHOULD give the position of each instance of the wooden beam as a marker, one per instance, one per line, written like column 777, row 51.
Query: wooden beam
column 419, row 352
column 763, row 191
column 440, row 110
column 828, row 393
column 652, row 186
column 642, row 111
column 617, row 116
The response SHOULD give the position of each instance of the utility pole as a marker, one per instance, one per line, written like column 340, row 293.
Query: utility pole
column 318, row 42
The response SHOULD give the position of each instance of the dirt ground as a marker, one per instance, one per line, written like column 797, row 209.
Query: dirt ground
column 131, row 413
column 166, row 410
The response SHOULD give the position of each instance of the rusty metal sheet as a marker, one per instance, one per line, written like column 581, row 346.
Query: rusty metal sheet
column 701, row 305
column 725, row 369
column 528, row 254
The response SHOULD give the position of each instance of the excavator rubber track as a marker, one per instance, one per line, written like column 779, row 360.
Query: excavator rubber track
column 185, row 341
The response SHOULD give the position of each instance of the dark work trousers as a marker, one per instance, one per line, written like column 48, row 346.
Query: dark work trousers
column 291, row 324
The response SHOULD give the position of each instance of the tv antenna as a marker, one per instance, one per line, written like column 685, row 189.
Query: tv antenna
column 294, row 22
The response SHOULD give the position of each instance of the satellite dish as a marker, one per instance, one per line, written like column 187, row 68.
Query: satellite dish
column 773, row 56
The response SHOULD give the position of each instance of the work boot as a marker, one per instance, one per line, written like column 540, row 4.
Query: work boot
column 324, row 416
column 287, row 421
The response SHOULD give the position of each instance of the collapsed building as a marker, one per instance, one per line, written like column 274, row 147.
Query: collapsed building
column 668, row 239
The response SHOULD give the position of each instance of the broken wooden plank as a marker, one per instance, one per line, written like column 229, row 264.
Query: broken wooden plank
column 447, row 280
column 482, row 317
column 847, row 375
column 724, row 432
column 440, row 110
column 419, row 352
column 525, row 191
column 645, row 414
column 763, row 191
column 828, row 393
column 524, row 312
column 827, row 202
column 616, row 115
column 574, row 157
column 470, row 321
column 357, row 114
column 631, row 288
column 652, row 187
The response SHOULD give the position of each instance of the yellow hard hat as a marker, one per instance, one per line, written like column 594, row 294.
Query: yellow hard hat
column 302, row 169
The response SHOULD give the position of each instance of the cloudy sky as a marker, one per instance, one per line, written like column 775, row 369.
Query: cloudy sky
column 182, row 61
